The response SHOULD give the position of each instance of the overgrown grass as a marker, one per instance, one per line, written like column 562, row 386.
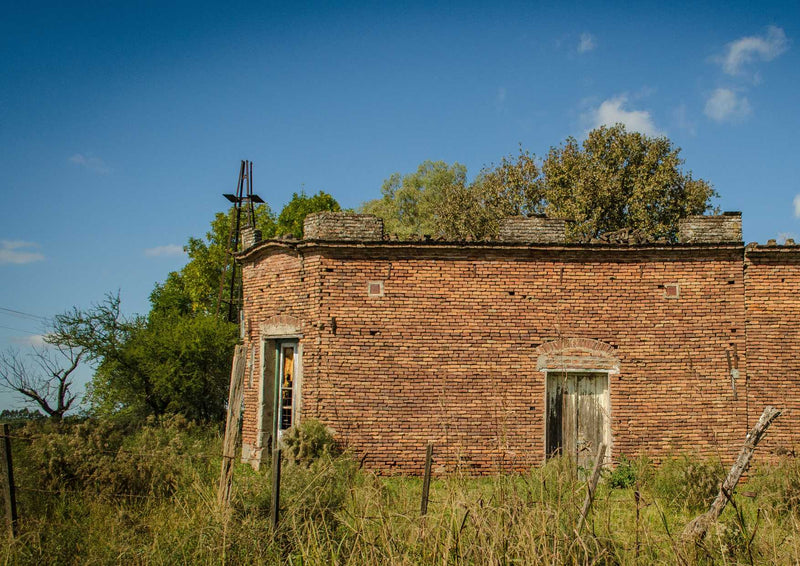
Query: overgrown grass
column 95, row 494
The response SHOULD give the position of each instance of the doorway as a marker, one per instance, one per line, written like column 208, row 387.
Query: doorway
column 578, row 415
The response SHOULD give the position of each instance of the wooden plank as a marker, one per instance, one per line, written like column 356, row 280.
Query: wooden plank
column 569, row 416
column 9, row 491
column 232, row 423
column 553, row 424
column 426, row 480
column 591, row 487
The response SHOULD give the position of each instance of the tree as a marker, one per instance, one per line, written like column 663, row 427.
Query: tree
column 615, row 179
column 618, row 179
column 291, row 218
column 44, row 378
column 511, row 188
column 169, row 362
column 410, row 203
column 195, row 288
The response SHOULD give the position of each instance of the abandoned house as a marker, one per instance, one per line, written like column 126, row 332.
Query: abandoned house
column 505, row 352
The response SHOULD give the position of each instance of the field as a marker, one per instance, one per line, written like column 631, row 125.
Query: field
column 104, row 493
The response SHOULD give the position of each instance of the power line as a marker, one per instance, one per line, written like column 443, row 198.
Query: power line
column 21, row 314
column 20, row 330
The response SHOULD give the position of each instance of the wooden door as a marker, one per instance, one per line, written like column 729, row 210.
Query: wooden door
column 577, row 416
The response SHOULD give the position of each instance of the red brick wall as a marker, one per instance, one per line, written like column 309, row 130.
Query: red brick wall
column 773, row 341
column 449, row 352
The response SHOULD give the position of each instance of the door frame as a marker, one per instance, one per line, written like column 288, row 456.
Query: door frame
column 605, row 405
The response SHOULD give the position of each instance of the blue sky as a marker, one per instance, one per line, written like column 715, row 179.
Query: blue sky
column 122, row 123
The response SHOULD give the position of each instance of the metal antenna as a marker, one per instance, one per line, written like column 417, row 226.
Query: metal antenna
column 243, row 199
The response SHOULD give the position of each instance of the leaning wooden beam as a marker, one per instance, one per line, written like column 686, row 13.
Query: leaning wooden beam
column 232, row 426
column 697, row 528
column 592, row 486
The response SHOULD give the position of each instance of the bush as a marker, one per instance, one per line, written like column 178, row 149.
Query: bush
column 109, row 458
column 309, row 441
column 624, row 474
column 688, row 482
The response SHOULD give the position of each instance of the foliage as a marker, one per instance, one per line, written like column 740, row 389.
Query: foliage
column 688, row 482
column 618, row 179
column 410, row 203
column 309, row 441
column 294, row 213
column 474, row 210
column 614, row 179
column 624, row 474
column 175, row 364
column 195, row 288
column 13, row 416
column 778, row 484
column 333, row 513
column 109, row 458
column 43, row 377
column 168, row 363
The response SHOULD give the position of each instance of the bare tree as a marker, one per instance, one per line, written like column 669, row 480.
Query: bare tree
column 44, row 376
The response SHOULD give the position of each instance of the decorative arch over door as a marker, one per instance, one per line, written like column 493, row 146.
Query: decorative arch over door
column 578, row 403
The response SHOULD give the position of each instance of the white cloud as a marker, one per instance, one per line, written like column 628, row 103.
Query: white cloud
column 164, row 251
column 724, row 105
column 16, row 251
column 680, row 116
column 90, row 162
column 746, row 50
column 613, row 111
column 34, row 340
column 587, row 43
column 797, row 206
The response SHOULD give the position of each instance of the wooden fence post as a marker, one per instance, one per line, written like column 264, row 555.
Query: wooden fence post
column 697, row 528
column 9, row 493
column 426, row 480
column 275, row 504
column 232, row 426
column 592, row 485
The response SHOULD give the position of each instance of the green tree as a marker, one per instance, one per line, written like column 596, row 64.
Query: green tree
column 291, row 218
column 410, row 203
column 474, row 210
column 195, row 288
column 618, row 179
column 615, row 179
column 169, row 362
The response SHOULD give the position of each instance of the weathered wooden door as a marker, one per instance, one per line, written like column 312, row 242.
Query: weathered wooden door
column 577, row 419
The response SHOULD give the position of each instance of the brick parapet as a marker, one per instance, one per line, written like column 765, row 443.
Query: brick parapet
column 343, row 226
column 533, row 229
column 726, row 227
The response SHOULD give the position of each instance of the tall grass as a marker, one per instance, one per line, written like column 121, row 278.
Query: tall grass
column 87, row 498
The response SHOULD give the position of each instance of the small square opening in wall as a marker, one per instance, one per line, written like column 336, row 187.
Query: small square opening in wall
column 672, row 291
column 375, row 289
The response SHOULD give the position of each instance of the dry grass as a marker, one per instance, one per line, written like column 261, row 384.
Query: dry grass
column 334, row 513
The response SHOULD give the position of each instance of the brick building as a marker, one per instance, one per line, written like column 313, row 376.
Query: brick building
column 505, row 351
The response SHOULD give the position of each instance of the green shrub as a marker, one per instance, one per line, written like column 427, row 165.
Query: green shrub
column 310, row 441
column 109, row 458
column 688, row 482
column 624, row 474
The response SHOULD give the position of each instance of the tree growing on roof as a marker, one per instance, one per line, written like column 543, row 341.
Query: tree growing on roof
column 614, row 179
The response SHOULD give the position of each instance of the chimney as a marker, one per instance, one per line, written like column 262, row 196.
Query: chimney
column 533, row 230
column 346, row 226
column 250, row 237
column 725, row 227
